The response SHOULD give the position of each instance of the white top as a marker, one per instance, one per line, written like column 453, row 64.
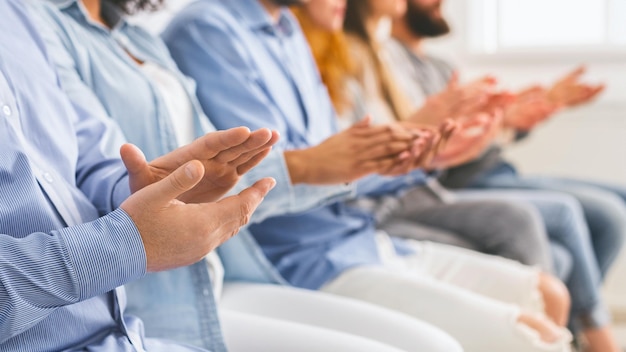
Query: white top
column 176, row 100
column 180, row 111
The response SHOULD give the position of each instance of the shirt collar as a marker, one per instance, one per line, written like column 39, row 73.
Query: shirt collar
column 256, row 17
column 110, row 12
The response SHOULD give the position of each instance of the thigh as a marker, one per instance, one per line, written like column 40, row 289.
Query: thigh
column 603, row 211
column 605, row 214
column 475, row 218
column 421, row 232
column 490, row 276
column 562, row 214
column 563, row 261
column 244, row 333
column 479, row 323
column 618, row 190
column 505, row 228
column 336, row 313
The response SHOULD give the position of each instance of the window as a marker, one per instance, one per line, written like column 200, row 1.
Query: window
column 547, row 26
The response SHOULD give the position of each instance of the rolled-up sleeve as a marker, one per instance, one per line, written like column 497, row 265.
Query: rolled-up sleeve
column 287, row 198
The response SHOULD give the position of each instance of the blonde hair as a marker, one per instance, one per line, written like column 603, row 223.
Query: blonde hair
column 354, row 27
column 332, row 57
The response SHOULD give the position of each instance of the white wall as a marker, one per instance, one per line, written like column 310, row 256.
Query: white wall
column 589, row 142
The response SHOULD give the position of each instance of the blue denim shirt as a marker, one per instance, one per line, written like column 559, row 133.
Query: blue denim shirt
column 244, row 62
column 61, row 257
column 98, row 74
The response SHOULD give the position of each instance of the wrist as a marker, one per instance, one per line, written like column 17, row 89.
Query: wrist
column 297, row 166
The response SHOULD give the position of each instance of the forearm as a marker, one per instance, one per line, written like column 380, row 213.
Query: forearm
column 44, row 271
column 289, row 196
column 300, row 168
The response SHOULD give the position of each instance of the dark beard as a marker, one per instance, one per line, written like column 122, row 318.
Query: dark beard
column 288, row 2
column 421, row 23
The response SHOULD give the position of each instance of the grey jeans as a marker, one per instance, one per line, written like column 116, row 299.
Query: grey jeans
column 512, row 230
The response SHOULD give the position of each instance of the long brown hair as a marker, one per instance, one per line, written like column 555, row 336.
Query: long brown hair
column 357, row 12
column 332, row 57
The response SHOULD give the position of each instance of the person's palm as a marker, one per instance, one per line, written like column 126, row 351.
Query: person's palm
column 570, row 91
column 530, row 108
column 227, row 155
column 469, row 140
column 456, row 101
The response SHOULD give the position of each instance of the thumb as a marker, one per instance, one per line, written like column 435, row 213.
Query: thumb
column 134, row 159
column 454, row 80
column 171, row 187
column 575, row 74
column 579, row 71
column 365, row 122
column 239, row 208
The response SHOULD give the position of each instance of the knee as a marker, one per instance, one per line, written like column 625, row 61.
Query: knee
column 556, row 298
column 562, row 261
column 606, row 216
column 568, row 208
column 519, row 216
column 527, row 241
column 610, row 212
column 442, row 342
column 547, row 331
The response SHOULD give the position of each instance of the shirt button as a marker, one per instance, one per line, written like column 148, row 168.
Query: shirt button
column 48, row 177
column 6, row 110
column 205, row 292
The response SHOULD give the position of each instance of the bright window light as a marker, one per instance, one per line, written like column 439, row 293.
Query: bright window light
column 547, row 26
column 551, row 22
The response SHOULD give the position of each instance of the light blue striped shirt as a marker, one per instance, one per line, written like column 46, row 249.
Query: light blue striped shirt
column 61, row 258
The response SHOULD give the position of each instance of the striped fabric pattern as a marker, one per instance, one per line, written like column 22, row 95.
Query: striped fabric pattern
column 60, row 265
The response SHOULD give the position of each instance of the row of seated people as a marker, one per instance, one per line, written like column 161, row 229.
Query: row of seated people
column 358, row 207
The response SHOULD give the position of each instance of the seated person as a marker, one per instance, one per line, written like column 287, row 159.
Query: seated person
column 72, row 233
column 513, row 231
column 422, row 75
column 143, row 83
column 264, row 65
column 585, row 278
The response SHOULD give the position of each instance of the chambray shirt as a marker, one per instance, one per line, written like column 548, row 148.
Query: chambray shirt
column 60, row 261
column 98, row 74
column 254, row 72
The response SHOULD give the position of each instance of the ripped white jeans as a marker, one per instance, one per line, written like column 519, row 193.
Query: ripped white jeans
column 475, row 298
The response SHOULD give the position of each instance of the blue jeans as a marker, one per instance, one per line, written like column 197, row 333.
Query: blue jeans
column 604, row 207
column 567, row 230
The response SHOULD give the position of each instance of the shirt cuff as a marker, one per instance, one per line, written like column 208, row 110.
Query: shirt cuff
column 105, row 254
column 121, row 192
column 287, row 198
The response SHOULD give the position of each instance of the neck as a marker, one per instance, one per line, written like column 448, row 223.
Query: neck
column 272, row 9
column 401, row 33
column 371, row 25
column 93, row 10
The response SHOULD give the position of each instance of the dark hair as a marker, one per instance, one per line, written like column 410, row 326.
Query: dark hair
column 134, row 6
column 356, row 13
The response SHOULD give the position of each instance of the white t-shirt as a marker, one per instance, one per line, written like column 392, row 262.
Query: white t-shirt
column 180, row 111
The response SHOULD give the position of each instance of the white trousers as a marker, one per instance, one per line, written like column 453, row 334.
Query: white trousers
column 474, row 297
column 275, row 318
